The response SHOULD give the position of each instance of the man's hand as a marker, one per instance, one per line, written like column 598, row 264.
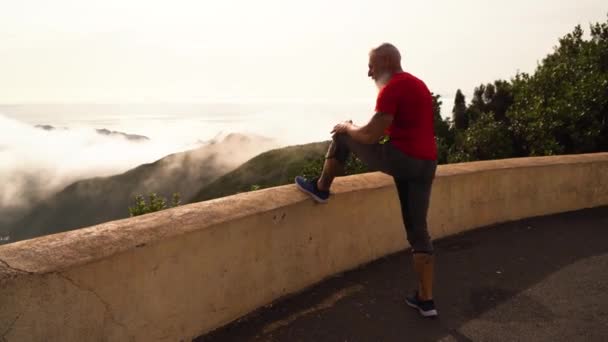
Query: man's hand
column 342, row 127
column 368, row 134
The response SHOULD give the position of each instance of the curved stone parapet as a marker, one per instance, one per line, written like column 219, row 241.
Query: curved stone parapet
column 176, row 274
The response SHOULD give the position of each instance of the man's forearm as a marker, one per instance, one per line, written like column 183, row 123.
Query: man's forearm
column 360, row 134
column 373, row 131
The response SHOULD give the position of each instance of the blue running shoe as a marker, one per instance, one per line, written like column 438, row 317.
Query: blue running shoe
column 310, row 187
column 425, row 307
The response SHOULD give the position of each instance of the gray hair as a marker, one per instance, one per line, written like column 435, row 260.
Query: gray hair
column 389, row 50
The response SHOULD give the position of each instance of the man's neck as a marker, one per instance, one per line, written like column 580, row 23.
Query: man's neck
column 397, row 71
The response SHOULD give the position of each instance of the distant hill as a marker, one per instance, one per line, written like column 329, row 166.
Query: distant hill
column 132, row 137
column 101, row 199
column 48, row 127
column 102, row 131
column 272, row 168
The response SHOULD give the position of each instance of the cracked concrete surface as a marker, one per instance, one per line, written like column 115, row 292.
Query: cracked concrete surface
column 8, row 330
column 108, row 309
column 54, row 306
column 14, row 268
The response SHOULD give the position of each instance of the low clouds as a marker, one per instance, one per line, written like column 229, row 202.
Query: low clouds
column 36, row 162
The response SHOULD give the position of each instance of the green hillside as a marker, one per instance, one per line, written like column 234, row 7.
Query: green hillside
column 92, row 201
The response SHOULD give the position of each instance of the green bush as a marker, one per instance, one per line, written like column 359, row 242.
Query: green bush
column 561, row 108
column 156, row 203
column 485, row 139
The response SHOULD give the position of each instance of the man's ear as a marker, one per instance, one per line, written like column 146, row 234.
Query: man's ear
column 386, row 60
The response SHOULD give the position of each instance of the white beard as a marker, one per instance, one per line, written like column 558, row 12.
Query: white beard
column 382, row 80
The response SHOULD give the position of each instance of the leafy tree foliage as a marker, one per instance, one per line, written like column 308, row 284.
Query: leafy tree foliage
column 459, row 112
column 561, row 108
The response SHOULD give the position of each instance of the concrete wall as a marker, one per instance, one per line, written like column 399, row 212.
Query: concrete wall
column 179, row 273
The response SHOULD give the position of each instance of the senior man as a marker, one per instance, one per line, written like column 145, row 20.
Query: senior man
column 399, row 140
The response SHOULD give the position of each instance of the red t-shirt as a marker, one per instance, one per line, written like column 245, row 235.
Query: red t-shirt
column 410, row 102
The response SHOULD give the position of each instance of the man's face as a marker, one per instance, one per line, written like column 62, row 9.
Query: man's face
column 378, row 70
column 371, row 72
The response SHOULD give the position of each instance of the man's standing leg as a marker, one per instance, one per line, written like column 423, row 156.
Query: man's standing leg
column 414, row 198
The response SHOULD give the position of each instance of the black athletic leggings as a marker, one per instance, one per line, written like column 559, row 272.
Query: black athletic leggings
column 413, row 179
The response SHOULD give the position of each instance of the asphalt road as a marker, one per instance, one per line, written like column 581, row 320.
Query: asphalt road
column 539, row 279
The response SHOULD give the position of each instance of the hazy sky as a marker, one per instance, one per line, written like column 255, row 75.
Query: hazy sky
column 181, row 51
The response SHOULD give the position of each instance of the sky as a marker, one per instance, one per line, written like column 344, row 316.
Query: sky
column 146, row 51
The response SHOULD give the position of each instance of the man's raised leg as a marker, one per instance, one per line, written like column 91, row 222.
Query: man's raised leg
column 331, row 168
column 335, row 158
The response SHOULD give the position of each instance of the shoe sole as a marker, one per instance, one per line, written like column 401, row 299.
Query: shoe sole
column 430, row 313
column 315, row 197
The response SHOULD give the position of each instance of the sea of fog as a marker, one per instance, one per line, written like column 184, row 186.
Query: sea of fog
column 35, row 162
column 181, row 125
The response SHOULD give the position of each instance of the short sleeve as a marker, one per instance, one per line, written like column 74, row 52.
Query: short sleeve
column 386, row 102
